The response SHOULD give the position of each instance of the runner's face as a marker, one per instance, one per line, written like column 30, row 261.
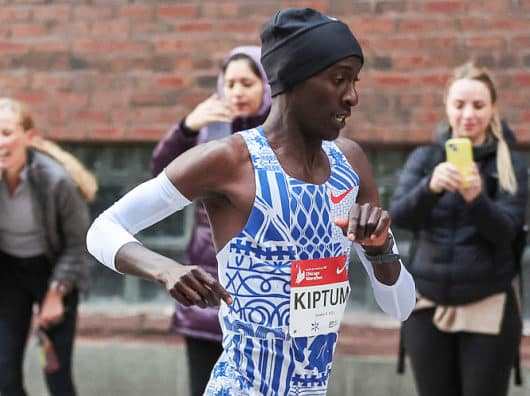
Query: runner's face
column 323, row 103
column 242, row 88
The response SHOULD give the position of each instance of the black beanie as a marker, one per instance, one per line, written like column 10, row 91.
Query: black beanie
column 298, row 43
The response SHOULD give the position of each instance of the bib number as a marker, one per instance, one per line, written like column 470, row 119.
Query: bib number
column 319, row 292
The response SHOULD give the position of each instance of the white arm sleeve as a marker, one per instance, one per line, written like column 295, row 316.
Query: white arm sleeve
column 140, row 208
column 397, row 300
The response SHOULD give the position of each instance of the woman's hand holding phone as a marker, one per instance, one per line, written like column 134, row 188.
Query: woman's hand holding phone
column 473, row 186
column 445, row 177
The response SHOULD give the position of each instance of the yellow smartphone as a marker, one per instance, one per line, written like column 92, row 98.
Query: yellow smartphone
column 460, row 154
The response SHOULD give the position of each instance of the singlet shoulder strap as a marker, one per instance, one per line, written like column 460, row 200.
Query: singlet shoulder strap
column 342, row 174
column 261, row 154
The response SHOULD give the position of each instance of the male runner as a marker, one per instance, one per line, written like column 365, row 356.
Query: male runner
column 285, row 201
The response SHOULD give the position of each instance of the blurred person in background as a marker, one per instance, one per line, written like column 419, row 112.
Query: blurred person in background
column 43, row 222
column 464, row 334
column 242, row 101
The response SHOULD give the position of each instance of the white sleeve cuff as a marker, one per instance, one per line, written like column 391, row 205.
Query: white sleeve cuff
column 397, row 300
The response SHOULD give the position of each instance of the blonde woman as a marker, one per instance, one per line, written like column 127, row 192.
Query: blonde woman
column 43, row 221
column 463, row 336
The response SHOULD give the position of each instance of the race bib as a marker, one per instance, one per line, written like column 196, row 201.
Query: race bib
column 319, row 291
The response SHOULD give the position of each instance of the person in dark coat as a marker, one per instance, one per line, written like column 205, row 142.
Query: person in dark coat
column 463, row 336
column 242, row 101
column 43, row 223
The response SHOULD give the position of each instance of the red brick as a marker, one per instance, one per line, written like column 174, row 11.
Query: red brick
column 465, row 23
column 522, row 79
column 150, row 116
column 50, row 45
column 437, row 80
column 171, row 82
column 322, row 6
column 110, row 47
column 32, row 98
column 148, row 134
column 239, row 27
column 411, row 62
column 72, row 30
column 492, row 43
column 105, row 99
column 373, row 26
column 7, row 47
column 525, row 117
column 420, row 25
column 117, row 28
column 65, row 134
column 152, row 99
column 14, row 81
column 438, row 42
column 52, row 12
column 521, row 42
column 137, row 12
column 445, row 7
column 92, row 116
column 393, row 43
column 55, row 81
column 220, row 9
column 198, row 26
column 491, row 6
column 170, row 44
column 258, row 8
column 105, row 134
column 393, row 80
column 92, row 13
column 13, row 14
column 178, row 11
column 509, row 24
column 23, row 30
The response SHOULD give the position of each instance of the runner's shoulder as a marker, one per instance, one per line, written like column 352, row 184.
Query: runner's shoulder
column 223, row 154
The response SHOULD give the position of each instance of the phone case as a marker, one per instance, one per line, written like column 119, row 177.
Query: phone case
column 460, row 154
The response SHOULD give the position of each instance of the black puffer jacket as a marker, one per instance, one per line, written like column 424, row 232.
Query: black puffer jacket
column 463, row 251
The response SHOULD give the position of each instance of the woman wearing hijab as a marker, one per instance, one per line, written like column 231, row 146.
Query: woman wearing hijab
column 242, row 101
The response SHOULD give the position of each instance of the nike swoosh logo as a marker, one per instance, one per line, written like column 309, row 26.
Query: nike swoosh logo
column 337, row 198
column 341, row 270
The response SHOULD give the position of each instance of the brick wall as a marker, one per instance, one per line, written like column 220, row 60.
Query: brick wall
column 112, row 70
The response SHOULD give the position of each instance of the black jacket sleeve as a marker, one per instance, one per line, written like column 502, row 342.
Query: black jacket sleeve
column 501, row 216
column 412, row 200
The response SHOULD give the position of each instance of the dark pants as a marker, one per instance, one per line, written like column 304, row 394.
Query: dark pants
column 202, row 356
column 462, row 364
column 24, row 282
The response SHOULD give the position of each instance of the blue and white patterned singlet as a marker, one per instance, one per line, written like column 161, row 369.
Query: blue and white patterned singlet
column 290, row 220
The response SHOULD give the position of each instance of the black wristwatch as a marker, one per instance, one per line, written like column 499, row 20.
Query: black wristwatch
column 387, row 257
column 384, row 258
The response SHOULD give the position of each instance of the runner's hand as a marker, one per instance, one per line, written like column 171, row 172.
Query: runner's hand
column 366, row 224
column 191, row 285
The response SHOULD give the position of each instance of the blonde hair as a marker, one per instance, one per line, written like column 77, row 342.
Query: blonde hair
column 471, row 71
column 84, row 179
column 19, row 110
